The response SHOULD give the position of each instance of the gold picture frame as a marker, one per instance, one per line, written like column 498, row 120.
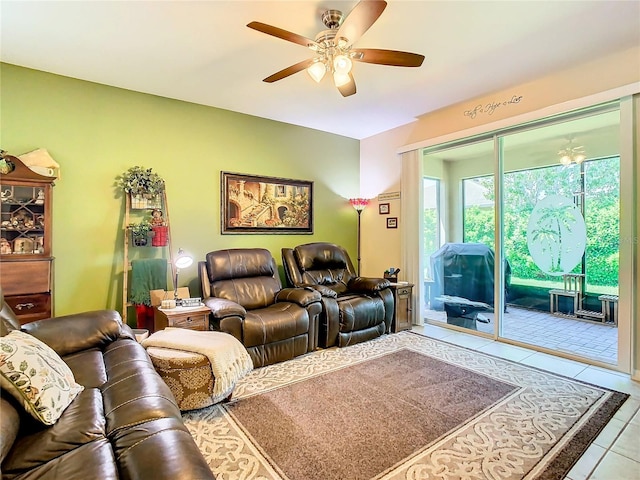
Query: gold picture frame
column 253, row 204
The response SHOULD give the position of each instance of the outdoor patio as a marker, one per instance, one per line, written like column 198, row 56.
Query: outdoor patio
column 585, row 338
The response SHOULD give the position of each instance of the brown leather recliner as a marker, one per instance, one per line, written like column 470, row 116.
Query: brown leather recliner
column 242, row 288
column 355, row 309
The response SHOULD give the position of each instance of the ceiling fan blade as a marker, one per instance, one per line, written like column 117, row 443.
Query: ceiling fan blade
column 284, row 73
column 348, row 88
column 387, row 57
column 283, row 34
column 360, row 19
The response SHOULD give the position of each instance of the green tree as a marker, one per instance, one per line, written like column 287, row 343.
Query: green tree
column 522, row 190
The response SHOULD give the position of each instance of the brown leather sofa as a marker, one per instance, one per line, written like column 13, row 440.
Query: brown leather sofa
column 242, row 288
column 125, row 424
column 355, row 309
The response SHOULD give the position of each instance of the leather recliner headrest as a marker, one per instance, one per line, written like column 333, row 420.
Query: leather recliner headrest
column 239, row 263
column 320, row 256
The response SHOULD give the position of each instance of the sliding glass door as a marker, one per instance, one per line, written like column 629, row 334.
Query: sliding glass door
column 561, row 218
column 459, row 281
column 528, row 235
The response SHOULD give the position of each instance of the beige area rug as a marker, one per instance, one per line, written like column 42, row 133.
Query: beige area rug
column 403, row 406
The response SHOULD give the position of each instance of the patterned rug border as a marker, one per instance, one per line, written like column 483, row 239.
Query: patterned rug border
column 560, row 457
column 585, row 435
column 530, row 367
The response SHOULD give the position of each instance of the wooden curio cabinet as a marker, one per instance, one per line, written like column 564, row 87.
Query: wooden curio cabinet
column 26, row 261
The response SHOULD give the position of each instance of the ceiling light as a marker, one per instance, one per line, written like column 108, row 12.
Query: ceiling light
column 342, row 64
column 572, row 154
column 317, row 70
column 341, row 79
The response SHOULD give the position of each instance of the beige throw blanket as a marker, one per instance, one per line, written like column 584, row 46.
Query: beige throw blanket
column 229, row 360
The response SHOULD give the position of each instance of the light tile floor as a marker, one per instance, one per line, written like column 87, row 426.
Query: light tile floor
column 585, row 338
column 615, row 453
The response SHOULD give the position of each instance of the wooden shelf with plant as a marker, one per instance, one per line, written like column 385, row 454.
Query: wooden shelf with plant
column 143, row 185
column 140, row 233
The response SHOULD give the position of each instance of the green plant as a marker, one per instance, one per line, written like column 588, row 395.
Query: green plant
column 141, row 181
column 141, row 229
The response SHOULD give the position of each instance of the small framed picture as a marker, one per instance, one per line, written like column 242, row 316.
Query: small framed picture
column 383, row 209
column 392, row 222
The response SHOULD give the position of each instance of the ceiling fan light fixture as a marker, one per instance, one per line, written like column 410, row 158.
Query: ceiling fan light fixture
column 565, row 160
column 341, row 42
column 341, row 79
column 342, row 64
column 333, row 47
column 317, row 70
column 572, row 154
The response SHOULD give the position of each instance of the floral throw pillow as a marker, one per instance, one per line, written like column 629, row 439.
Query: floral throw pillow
column 36, row 376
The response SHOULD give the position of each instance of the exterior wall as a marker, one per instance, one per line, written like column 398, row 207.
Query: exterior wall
column 97, row 132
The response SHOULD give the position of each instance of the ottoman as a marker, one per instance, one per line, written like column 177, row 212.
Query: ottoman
column 199, row 367
column 187, row 374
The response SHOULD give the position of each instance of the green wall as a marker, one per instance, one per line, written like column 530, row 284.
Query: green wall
column 96, row 132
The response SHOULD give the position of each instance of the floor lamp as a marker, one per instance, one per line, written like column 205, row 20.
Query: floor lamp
column 359, row 204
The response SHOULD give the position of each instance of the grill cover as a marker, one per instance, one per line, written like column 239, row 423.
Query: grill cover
column 465, row 270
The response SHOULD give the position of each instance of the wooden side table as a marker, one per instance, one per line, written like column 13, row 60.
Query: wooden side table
column 193, row 318
column 403, row 314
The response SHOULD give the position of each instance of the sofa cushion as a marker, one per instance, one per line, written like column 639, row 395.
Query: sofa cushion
column 81, row 423
column 91, row 460
column 87, row 367
column 137, row 449
column 9, row 425
column 276, row 322
column 359, row 312
column 36, row 376
column 250, row 293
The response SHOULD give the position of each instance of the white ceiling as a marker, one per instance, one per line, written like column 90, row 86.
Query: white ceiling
column 202, row 51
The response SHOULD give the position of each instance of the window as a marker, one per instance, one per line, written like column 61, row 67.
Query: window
column 431, row 237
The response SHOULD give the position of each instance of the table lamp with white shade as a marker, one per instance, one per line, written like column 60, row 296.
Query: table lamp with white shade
column 183, row 260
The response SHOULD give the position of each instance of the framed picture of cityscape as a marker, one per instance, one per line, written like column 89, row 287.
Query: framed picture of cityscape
column 267, row 205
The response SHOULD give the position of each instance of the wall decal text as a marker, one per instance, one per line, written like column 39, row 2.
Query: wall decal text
column 491, row 107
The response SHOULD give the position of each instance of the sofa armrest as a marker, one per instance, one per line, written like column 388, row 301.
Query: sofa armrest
column 299, row 296
column 322, row 290
column 222, row 308
column 81, row 331
column 368, row 285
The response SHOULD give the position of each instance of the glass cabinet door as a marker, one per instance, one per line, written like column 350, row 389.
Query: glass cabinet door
column 23, row 220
